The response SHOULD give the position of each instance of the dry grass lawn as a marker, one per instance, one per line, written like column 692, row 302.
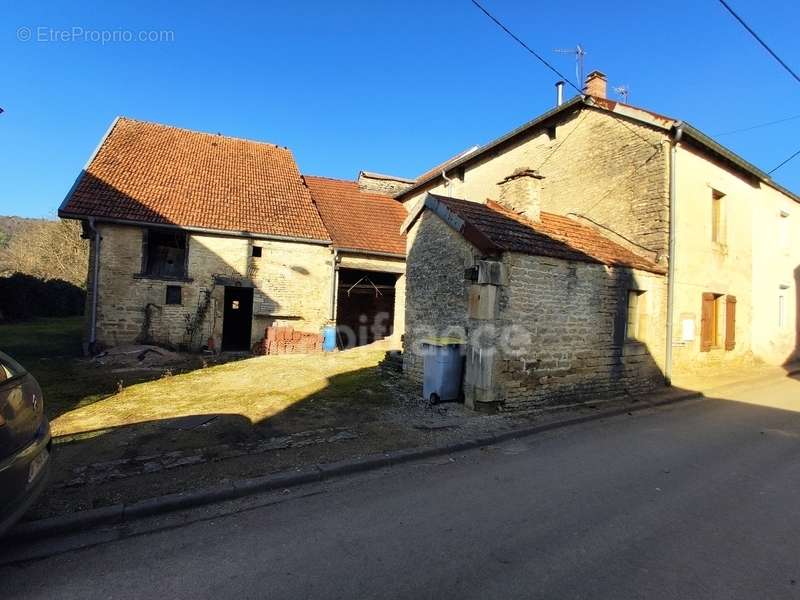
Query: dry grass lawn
column 256, row 388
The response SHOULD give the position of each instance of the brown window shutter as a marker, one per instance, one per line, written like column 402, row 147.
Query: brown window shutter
column 707, row 323
column 730, row 322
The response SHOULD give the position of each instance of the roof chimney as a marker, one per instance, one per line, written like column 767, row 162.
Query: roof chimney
column 521, row 192
column 559, row 93
column 596, row 84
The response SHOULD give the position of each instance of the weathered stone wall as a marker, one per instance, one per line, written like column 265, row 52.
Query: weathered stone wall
column 569, row 345
column 291, row 282
column 381, row 184
column 611, row 171
column 616, row 173
column 435, row 288
column 551, row 333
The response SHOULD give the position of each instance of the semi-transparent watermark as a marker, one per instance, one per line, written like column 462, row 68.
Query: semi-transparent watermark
column 510, row 340
column 55, row 35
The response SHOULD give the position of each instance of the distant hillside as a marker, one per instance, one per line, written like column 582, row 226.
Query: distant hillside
column 12, row 225
column 43, row 248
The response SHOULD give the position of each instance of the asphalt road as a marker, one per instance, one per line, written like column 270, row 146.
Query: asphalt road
column 698, row 500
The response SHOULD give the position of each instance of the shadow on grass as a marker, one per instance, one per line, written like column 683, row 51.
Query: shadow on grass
column 347, row 416
column 718, row 417
column 346, row 400
column 356, row 400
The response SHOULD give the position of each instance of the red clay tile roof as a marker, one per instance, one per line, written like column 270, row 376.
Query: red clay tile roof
column 612, row 105
column 503, row 230
column 151, row 173
column 358, row 219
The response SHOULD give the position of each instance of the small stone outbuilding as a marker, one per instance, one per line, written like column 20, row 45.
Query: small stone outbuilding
column 551, row 311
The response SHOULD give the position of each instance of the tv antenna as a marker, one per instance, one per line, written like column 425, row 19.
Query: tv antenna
column 579, row 53
column 624, row 92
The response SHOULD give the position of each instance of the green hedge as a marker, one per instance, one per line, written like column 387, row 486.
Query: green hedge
column 25, row 297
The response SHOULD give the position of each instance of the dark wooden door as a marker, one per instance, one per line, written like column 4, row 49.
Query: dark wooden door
column 237, row 319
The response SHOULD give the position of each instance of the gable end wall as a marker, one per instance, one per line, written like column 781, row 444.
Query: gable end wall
column 613, row 171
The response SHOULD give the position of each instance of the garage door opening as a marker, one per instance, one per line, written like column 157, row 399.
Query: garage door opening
column 364, row 307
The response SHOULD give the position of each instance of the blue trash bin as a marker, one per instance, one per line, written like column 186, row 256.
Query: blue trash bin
column 443, row 366
column 329, row 338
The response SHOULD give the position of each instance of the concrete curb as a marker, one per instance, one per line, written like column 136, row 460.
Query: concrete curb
column 121, row 513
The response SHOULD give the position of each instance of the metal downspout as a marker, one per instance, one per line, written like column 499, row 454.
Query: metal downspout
column 448, row 184
column 676, row 138
column 95, row 286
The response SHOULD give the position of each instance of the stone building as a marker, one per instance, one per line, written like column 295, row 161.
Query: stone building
column 206, row 240
column 543, row 302
column 651, row 184
column 623, row 246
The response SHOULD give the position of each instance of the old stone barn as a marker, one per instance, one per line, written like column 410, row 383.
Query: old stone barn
column 205, row 240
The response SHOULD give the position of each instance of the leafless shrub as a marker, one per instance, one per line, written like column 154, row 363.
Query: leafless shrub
column 47, row 250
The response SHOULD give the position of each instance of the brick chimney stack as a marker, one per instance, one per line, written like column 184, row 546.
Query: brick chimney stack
column 521, row 192
column 596, row 84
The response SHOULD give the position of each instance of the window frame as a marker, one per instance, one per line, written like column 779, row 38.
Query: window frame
column 634, row 320
column 257, row 251
column 718, row 325
column 147, row 244
column 710, row 323
column 173, row 288
column 730, row 323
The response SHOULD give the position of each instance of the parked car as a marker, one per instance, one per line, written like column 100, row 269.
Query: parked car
column 24, row 441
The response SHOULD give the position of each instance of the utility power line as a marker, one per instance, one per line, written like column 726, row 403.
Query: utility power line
column 524, row 45
column 757, row 126
column 580, row 91
column 784, row 162
column 759, row 40
column 776, row 57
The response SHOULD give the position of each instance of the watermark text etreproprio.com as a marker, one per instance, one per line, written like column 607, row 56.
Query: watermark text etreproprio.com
column 93, row 36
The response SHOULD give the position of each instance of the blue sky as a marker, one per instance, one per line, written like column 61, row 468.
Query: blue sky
column 385, row 86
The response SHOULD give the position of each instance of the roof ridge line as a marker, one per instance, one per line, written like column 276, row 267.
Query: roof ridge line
column 351, row 182
column 198, row 132
column 330, row 178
